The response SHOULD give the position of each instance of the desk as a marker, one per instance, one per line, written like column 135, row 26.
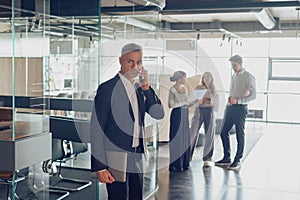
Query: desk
column 30, row 146
column 23, row 129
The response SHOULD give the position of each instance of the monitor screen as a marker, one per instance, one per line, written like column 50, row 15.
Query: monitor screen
column 68, row 83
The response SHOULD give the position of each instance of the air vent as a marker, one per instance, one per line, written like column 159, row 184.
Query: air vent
column 288, row 26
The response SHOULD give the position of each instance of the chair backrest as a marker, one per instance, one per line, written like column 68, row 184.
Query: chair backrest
column 79, row 147
column 74, row 130
column 62, row 94
column 57, row 149
column 66, row 129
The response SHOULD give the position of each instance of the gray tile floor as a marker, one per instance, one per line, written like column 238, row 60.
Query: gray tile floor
column 199, row 183
column 270, row 170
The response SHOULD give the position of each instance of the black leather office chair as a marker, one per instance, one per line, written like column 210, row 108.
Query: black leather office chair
column 67, row 144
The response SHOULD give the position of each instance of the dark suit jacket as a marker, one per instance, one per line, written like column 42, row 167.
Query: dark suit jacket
column 113, row 121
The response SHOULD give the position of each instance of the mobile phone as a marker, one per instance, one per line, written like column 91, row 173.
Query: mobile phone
column 141, row 78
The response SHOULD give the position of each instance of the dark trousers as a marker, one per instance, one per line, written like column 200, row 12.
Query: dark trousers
column 119, row 191
column 132, row 189
column 234, row 115
column 179, row 139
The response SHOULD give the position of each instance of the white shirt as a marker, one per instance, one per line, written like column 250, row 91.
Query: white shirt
column 131, row 93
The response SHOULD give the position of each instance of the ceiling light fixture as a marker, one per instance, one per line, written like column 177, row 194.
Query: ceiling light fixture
column 54, row 33
column 198, row 34
column 265, row 18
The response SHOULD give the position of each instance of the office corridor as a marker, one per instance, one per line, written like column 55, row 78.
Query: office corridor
column 270, row 169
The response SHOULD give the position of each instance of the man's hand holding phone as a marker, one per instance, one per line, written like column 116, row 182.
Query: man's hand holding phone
column 143, row 79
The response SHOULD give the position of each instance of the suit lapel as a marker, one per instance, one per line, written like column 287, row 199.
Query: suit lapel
column 123, row 94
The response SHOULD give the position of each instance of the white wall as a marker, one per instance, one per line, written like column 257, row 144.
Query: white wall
column 34, row 45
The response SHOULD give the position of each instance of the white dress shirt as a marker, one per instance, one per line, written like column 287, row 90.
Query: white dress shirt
column 131, row 93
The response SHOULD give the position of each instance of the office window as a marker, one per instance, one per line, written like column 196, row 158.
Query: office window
column 284, row 69
column 284, row 79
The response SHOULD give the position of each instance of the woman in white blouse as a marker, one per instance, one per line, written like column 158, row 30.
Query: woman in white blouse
column 179, row 124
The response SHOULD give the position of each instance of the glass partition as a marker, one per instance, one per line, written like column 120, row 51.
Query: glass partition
column 83, row 54
column 71, row 78
column 23, row 121
column 116, row 31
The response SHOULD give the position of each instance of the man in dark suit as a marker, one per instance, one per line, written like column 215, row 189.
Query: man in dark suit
column 118, row 123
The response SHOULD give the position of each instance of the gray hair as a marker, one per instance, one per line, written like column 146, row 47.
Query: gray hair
column 131, row 47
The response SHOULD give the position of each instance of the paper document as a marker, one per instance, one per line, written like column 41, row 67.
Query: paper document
column 197, row 94
column 117, row 164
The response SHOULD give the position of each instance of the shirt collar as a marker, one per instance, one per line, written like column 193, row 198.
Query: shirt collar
column 124, row 80
column 241, row 72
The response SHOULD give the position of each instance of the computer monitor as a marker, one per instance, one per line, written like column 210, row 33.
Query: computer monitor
column 68, row 83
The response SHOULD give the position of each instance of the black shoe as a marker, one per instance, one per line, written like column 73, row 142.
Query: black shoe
column 223, row 162
column 235, row 165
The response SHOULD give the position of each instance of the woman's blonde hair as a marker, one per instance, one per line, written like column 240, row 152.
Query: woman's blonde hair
column 211, row 87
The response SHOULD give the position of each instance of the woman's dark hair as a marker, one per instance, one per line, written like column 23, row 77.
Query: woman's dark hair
column 177, row 75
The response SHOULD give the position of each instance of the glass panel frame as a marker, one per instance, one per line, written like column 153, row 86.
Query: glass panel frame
column 284, row 69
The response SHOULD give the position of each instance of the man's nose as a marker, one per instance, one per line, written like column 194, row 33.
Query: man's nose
column 135, row 66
